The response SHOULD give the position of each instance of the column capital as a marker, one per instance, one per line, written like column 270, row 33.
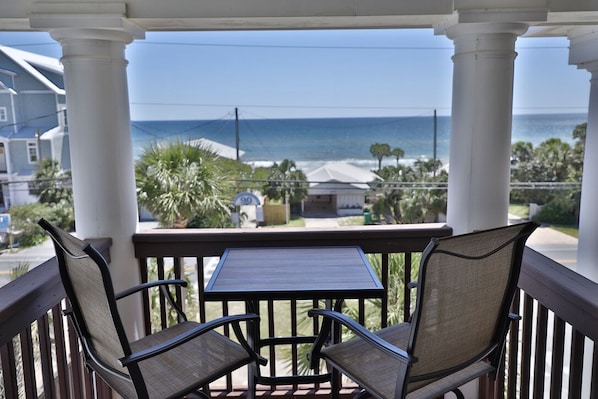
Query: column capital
column 583, row 50
column 460, row 29
column 490, row 16
column 486, row 39
column 100, row 21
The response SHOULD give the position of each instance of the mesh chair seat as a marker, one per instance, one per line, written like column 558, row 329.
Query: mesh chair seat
column 362, row 362
column 211, row 355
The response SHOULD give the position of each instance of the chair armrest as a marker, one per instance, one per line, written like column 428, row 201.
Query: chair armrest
column 163, row 285
column 148, row 285
column 514, row 317
column 194, row 333
column 360, row 331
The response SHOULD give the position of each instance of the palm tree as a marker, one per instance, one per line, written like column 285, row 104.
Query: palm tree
column 397, row 153
column 286, row 181
column 554, row 154
column 522, row 151
column 52, row 184
column 379, row 151
column 178, row 182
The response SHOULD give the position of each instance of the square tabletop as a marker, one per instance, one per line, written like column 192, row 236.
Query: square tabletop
column 293, row 273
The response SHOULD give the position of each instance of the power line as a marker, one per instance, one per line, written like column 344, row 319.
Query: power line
column 291, row 46
column 314, row 47
column 284, row 106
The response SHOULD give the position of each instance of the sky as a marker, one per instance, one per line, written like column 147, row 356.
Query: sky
column 338, row 73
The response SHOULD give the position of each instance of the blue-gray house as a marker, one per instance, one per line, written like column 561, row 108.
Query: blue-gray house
column 33, row 123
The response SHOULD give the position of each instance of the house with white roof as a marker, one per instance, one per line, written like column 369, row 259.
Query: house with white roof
column 337, row 188
column 219, row 149
column 33, row 123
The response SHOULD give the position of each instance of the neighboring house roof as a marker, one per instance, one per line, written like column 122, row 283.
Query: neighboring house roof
column 28, row 132
column 31, row 62
column 221, row 150
column 341, row 172
column 6, row 89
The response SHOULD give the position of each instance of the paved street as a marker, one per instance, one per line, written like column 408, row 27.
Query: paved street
column 33, row 256
column 558, row 246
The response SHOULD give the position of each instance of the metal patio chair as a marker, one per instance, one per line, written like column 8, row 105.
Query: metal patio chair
column 173, row 362
column 456, row 334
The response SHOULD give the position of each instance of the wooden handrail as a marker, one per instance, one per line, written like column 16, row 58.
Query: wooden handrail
column 27, row 298
column 570, row 295
column 213, row 242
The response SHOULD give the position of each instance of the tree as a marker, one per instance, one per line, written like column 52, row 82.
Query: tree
column 24, row 220
column 424, row 168
column 393, row 204
column 522, row 151
column 178, row 182
column 52, row 184
column 579, row 134
column 379, row 151
column 397, row 153
column 286, row 182
column 555, row 156
column 552, row 161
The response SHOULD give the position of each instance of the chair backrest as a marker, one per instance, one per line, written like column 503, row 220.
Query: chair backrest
column 88, row 286
column 465, row 290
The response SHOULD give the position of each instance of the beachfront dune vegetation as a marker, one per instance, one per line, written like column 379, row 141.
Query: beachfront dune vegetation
column 552, row 161
column 550, row 175
column 393, row 202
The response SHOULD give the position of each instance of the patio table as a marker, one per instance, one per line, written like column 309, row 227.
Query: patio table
column 284, row 273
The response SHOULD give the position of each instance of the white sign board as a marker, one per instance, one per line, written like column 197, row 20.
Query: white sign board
column 246, row 198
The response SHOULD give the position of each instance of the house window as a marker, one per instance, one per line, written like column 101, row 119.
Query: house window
column 62, row 119
column 3, row 114
column 32, row 151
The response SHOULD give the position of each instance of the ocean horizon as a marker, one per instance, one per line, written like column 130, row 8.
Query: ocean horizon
column 312, row 142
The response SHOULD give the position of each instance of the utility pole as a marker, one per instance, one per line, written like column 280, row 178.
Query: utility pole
column 435, row 139
column 237, row 131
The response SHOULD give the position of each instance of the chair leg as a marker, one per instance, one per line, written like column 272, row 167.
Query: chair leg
column 335, row 383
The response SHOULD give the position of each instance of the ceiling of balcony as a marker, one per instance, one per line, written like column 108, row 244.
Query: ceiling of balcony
column 547, row 17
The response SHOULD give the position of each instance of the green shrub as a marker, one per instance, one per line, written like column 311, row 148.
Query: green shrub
column 559, row 210
column 24, row 220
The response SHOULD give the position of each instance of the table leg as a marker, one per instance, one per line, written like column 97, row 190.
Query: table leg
column 335, row 376
column 253, row 338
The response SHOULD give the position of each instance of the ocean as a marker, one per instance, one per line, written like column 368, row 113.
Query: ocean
column 312, row 142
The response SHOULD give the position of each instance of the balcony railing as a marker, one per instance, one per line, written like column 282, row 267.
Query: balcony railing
column 551, row 353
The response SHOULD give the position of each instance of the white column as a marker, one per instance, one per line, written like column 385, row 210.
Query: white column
column 101, row 148
column 584, row 53
column 480, row 150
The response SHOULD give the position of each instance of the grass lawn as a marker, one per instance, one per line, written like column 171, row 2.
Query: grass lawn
column 351, row 220
column 296, row 221
column 521, row 210
column 569, row 230
column 299, row 221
